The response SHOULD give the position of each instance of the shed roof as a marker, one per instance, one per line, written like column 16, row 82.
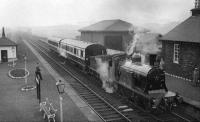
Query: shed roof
column 109, row 25
column 6, row 42
column 187, row 31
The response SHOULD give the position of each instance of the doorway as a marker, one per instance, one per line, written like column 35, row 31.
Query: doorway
column 152, row 59
column 113, row 42
column 4, row 56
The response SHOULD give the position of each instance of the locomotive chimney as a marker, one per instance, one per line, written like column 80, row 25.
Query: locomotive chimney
column 196, row 10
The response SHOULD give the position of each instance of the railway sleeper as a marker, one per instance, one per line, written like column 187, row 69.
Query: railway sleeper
column 115, row 115
column 86, row 93
column 127, row 112
column 91, row 96
column 103, row 110
column 114, row 119
column 82, row 91
column 98, row 104
column 108, row 113
column 80, row 88
column 99, row 107
column 95, row 102
column 92, row 99
column 76, row 85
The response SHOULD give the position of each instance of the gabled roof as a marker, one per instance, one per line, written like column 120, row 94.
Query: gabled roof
column 187, row 31
column 6, row 42
column 109, row 25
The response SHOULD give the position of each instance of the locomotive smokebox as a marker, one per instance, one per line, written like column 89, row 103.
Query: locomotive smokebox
column 136, row 58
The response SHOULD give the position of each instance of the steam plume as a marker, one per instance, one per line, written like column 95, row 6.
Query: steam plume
column 103, row 70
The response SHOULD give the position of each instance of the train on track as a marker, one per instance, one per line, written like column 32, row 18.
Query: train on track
column 140, row 83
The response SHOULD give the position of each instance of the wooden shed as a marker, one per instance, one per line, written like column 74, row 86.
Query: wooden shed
column 8, row 49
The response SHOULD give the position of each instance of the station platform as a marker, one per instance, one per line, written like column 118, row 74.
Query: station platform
column 23, row 106
column 189, row 92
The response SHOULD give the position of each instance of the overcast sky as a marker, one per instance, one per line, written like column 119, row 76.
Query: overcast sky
column 84, row 12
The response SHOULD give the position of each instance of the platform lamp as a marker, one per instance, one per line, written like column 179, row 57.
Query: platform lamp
column 61, row 90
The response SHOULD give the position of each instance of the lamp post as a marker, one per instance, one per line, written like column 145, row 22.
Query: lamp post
column 61, row 89
column 25, row 69
column 13, row 51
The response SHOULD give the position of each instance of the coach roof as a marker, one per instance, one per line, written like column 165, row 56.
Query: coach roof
column 77, row 43
column 54, row 39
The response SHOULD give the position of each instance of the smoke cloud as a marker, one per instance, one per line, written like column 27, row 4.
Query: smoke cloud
column 143, row 43
column 103, row 70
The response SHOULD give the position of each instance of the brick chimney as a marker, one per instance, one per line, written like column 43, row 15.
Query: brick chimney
column 3, row 33
column 196, row 10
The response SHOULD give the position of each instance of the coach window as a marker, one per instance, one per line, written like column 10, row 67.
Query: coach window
column 63, row 46
column 67, row 48
column 81, row 53
column 176, row 53
column 70, row 49
column 75, row 51
column 78, row 52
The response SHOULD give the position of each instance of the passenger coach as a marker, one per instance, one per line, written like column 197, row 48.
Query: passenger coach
column 76, row 50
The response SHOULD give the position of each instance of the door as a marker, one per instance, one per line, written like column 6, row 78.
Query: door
column 4, row 56
column 113, row 42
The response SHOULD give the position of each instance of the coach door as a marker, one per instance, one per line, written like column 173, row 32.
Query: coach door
column 4, row 56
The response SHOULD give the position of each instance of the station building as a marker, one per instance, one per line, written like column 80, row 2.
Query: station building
column 113, row 34
column 181, row 46
column 8, row 49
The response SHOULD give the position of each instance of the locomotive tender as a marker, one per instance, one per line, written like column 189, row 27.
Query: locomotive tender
column 142, row 84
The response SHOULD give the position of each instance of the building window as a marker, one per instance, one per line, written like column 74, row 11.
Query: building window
column 176, row 53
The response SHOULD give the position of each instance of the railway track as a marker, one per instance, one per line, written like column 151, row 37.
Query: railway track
column 105, row 110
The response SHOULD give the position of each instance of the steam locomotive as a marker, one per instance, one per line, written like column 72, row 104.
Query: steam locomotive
column 142, row 84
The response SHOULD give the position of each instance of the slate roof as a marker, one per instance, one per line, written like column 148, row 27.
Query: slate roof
column 6, row 42
column 109, row 26
column 187, row 31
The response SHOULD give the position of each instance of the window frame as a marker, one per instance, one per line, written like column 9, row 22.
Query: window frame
column 176, row 52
